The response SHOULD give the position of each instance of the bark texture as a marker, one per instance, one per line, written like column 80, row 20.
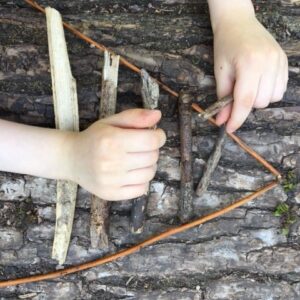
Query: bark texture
column 242, row 255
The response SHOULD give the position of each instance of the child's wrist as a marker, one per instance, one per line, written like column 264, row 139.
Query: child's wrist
column 229, row 12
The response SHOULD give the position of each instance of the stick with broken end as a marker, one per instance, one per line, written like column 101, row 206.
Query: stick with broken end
column 216, row 107
column 66, row 118
column 211, row 163
column 100, row 207
column 150, row 95
column 186, row 168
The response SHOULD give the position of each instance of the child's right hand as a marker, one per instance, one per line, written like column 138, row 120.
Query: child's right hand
column 116, row 157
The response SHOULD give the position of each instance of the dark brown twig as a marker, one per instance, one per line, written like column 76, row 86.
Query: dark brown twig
column 150, row 95
column 216, row 107
column 212, row 163
column 186, row 182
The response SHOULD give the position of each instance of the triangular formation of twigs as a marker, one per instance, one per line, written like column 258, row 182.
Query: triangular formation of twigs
column 169, row 232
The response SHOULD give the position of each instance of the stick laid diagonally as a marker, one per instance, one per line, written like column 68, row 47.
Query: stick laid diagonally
column 66, row 118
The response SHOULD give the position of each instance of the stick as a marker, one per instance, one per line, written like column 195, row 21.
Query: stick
column 211, row 163
column 216, row 107
column 138, row 247
column 150, row 95
column 186, row 183
column 244, row 146
column 100, row 207
column 66, row 118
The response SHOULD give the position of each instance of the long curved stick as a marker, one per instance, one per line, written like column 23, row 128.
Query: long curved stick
column 138, row 247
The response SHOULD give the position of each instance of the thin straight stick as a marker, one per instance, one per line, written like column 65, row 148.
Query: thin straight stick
column 186, row 163
column 216, row 107
column 243, row 145
column 138, row 247
column 165, row 87
column 211, row 163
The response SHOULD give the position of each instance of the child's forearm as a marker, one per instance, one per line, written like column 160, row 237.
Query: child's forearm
column 220, row 9
column 35, row 151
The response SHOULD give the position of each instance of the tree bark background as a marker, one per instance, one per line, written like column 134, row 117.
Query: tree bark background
column 242, row 255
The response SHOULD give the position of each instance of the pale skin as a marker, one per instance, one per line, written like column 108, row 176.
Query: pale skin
column 116, row 158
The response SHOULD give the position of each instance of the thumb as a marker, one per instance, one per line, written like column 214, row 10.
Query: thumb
column 225, row 83
column 134, row 118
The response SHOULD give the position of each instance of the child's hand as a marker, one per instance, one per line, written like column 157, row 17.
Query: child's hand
column 115, row 158
column 248, row 63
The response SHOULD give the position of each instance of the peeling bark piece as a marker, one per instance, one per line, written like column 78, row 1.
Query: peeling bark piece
column 150, row 95
column 66, row 118
column 99, row 207
column 216, row 107
column 212, row 163
column 186, row 183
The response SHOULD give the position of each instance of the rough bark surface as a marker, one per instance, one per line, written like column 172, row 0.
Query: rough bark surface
column 244, row 254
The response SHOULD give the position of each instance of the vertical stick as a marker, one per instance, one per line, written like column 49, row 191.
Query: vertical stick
column 150, row 95
column 186, row 183
column 66, row 118
column 212, row 163
column 100, row 207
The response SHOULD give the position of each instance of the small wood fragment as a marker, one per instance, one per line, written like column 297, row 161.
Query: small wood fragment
column 150, row 95
column 66, row 118
column 99, row 207
column 186, row 183
column 216, row 107
column 212, row 163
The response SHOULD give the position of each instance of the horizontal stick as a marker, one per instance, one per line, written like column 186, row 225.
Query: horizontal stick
column 138, row 247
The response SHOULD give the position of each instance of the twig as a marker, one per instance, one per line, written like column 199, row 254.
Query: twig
column 211, row 163
column 150, row 95
column 66, row 118
column 186, row 167
column 100, row 207
column 146, row 243
column 216, row 107
column 250, row 151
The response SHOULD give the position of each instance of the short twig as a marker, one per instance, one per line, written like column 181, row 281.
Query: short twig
column 216, row 107
column 211, row 163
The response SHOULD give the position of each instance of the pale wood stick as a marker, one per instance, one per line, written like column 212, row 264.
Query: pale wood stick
column 186, row 167
column 216, row 107
column 212, row 163
column 100, row 207
column 150, row 95
column 66, row 118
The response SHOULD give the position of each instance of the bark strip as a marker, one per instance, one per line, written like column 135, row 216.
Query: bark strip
column 212, row 163
column 100, row 207
column 186, row 183
column 66, row 118
column 150, row 95
column 216, row 107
